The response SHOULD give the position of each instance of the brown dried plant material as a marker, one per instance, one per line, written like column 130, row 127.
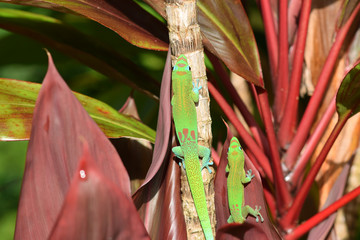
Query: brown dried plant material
column 319, row 41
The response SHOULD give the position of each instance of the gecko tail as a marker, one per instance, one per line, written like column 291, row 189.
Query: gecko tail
column 208, row 234
column 193, row 172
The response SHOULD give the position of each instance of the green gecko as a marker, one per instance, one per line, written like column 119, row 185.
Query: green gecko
column 235, row 185
column 186, row 94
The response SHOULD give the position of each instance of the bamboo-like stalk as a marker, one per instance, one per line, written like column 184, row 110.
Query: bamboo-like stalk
column 185, row 38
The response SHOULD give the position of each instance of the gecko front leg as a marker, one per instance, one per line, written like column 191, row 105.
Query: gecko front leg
column 204, row 152
column 179, row 154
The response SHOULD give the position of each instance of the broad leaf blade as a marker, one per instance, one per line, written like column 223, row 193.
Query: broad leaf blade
column 59, row 130
column 163, row 136
column 348, row 95
column 55, row 34
column 95, row 208
column 229, row 36
column 124, row 17
column 17, row 102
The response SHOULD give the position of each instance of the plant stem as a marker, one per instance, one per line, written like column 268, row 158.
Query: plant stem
column 281, row 192
column 256, row 97
column 312, row 108
column 215, row 157
column 270, row 201
column 260, row 157
column 312, row 143
column 282, row 84
column 271, row 36
column 255, row 129
column 288, row 122
column 313, row 221
column 292, row 215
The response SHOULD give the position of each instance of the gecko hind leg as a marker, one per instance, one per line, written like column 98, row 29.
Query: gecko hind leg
column 204, row 152
column 254, row 212
column 179, row 154
column 230, row 219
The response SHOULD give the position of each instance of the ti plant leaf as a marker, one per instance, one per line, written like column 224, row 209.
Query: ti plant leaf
column 95, row 206
column 64, row 38
column 230, row 37
column 348, row 96
column 66, row 142
column 17, row 102
column 124, row 17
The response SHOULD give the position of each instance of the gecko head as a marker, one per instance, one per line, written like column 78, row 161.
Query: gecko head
column 234, row 143
column 182, row 67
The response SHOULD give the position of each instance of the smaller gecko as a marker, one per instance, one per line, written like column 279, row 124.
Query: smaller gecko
column 235, row 185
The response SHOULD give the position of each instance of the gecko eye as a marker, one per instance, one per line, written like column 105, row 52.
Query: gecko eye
column 240, row 148
column 188, row 68
column 175, row 68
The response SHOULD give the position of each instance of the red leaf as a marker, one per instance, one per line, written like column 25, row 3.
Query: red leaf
column 228, row 35
column 241, row 231
column 95, row 208
column 124, row 17
column 162, row 140
column 60, row 127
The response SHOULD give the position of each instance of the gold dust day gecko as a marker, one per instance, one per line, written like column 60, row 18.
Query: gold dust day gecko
column 235, row 185
column 186, row 94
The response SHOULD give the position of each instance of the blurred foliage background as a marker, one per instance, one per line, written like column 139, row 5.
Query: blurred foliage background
column 25, row 59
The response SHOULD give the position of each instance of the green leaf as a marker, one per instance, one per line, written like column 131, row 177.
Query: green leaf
column 55, row 34
column 124, row 17
column 348, row 95
column 230, row 37
column 17, row 102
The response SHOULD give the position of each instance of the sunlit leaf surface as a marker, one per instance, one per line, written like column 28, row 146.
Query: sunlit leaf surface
column 229, row 36
column 17, row 101
column 124, row 17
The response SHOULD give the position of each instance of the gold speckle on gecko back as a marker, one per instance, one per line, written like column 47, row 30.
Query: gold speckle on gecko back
column 181, row 73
